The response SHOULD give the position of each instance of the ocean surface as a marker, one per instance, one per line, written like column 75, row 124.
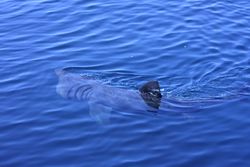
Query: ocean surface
column 198, row 50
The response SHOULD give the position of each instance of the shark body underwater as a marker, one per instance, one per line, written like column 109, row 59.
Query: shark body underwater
column 102, row 99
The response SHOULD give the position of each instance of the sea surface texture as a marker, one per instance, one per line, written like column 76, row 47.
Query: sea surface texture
column 198, row 50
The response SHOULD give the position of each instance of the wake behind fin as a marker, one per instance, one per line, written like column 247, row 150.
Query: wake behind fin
column 151, row 94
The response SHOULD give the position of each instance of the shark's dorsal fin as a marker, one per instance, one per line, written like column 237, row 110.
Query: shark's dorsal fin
column 151, row 93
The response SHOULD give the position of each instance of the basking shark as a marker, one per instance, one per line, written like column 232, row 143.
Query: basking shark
column 102, row 99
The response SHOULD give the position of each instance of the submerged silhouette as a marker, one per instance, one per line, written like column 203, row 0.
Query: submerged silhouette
column 102, row 99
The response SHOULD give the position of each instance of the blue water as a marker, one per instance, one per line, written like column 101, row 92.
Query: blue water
column 198, row 50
